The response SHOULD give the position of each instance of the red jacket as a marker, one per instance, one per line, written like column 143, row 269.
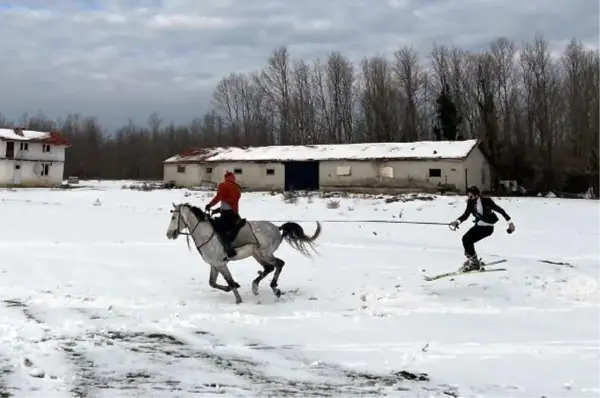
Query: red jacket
column 228, row 192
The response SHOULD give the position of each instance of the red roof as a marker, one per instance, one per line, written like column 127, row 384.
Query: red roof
column 192, row 152
column 55, row 139
column 20, row 134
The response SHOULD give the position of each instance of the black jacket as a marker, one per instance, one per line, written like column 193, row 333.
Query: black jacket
column 488, row 216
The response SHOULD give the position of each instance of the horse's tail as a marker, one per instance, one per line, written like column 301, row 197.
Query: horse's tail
column 295, row 236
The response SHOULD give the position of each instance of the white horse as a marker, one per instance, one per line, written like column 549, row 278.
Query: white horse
column 259, row 239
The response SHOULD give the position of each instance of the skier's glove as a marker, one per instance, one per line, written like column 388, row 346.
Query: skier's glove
column 511, row 228
column 454, row 224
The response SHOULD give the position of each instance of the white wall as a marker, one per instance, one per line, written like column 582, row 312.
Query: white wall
column 251, row 176
column 404, row 174
column 26, row 167
column 28, row 173
column 478, row 170
column 35, row 151
column 6, row 172
column 184, row 175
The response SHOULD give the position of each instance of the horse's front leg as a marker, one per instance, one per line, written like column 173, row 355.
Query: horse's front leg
column 212, row 280
column 234, row 286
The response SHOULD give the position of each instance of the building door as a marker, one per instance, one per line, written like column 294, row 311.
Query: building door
column 17, row 173
column 301, row 176
column 10, row 150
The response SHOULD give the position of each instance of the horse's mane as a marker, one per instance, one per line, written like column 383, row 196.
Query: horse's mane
column 196, row 211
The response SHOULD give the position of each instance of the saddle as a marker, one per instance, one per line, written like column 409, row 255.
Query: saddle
column 228, row 236
column 235, row 229
column 230, row 232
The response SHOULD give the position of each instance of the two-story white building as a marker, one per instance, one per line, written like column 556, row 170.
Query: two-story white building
column 31, row 158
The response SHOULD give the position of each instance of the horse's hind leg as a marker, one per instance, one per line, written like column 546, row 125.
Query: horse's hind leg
column 212, row 280
column 279, row 263
column 224, row 269
column 268, row 268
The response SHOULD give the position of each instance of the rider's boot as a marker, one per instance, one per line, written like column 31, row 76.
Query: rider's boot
column 228, row 245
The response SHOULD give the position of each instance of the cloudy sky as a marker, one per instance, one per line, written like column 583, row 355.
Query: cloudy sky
column 117, row 59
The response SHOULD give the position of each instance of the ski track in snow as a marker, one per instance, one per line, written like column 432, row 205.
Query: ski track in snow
column 97, row 302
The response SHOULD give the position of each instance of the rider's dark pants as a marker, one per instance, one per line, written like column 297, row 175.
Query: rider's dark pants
column 474, row 235
column 227, row 220
column 225, row 225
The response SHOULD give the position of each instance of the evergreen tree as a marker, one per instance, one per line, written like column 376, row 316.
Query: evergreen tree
column 447, row 115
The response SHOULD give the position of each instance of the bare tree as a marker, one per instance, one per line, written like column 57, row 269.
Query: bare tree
column 543, row 94
column 379, row 100
column 503, row 53
column 411, row 84
column 340, row 87
column 577, row 107
column 303, row 109
column 275, row 83
column 450, row 69
column 228, row 98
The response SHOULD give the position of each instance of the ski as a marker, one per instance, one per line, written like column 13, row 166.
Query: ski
column 456, row 273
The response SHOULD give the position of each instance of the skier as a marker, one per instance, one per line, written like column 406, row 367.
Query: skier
column 228, row 193
column 483, row 209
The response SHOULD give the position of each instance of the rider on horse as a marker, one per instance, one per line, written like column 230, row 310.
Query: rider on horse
column 228, row 193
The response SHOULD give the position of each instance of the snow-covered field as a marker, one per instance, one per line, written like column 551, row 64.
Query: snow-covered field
column 95, row 301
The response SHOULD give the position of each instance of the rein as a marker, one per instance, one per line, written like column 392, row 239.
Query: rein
column 191, row 231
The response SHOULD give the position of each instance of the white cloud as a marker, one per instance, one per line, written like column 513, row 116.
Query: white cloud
column 120, row 58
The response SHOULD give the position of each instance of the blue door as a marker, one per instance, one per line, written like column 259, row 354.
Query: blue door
column 301, row 176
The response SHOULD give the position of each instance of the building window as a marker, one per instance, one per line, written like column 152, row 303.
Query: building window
column 45, row 170
column 209, row 170
column 10, row 149
column 181, row 169
column 435, row 173
column 387, row 172
column 344, row 171
column 17, row 167
column 24, row 146
column 237, row 171
column 45, row 148
column 270, row 172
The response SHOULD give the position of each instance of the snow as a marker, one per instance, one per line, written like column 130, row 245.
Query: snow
column 95, row 301
column 391, row 150
column 9, row 134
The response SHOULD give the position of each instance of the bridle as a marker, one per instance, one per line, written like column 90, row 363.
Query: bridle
column 181, row 221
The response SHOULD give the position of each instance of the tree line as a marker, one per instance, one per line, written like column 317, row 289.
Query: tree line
column 536, row 111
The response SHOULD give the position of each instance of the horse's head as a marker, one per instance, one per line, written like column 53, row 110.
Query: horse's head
column 176, row 223
column 181, row 216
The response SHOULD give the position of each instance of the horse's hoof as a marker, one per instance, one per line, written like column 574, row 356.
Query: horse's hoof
column 238, row 302
column 277, row 293
column 236, row 285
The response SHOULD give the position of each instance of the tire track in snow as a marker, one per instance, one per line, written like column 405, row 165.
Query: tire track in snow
column 248, row 373
column 209, row 358
column 5, row 370
column 170, row 355
column 251, row 374
column 164, row 350
column 85, row 376
column 352, row 382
